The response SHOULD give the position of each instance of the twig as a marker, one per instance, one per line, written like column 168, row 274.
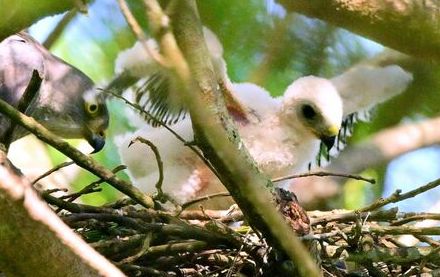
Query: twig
column 428, row 240
column 401, row 230
column 394, row 255
column 353, row 216
column 324, row 174
column 222, row 216
column 176, row 247
column 91, row 187
column 397, row 196
column 158, row 160
column 416, row 217
column 137, row 30
column 59, row 28
column 144, row 214
column 163, row 124
column 28, row 95
column 145, row 246
column 180, row 229
column 233, row 266
column 50, row 191
column 79, row 158
column 137, row 270
column 54, row 169
column 205, row 197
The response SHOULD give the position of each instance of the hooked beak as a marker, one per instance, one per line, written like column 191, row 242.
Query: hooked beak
column 328, row 141
column 329, row 137
column 97, row 141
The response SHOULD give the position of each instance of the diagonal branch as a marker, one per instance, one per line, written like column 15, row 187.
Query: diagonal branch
column 79, row 158
column 29, row 227
column 195, row 74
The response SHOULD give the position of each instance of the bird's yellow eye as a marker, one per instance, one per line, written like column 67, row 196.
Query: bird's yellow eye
column 92, row 108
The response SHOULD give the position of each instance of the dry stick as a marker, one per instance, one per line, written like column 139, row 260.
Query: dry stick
column 353, row 216
column 59, row 28
column 145, row 214
column 203, row 198
column 137, row 30
column 427, row 240
column 400, row 230
column 180, row 229
column 80, row 159
column 417, row 217
column 91, row 187
column 54, row 169
column 397, row 197
column 145, row 247
column 324, row 174
column 137, row 270
column 28, row 95
column 158, row 160
column 219, row 215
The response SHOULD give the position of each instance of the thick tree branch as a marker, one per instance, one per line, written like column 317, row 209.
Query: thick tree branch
column 19, row 14
column 31, row 235
column 245, row 183
column 409, row 26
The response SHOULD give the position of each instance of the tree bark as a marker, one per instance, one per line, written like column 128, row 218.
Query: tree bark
column 34, row 241
column 409, row 26
column 216, row 135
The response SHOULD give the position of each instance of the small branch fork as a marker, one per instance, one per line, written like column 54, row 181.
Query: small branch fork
column 158, row 160
column 397, row 196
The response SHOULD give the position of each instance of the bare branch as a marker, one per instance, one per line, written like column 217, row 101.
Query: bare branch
column 158, row 160
column 397, row 196
column 324, row 174
column 80, row 159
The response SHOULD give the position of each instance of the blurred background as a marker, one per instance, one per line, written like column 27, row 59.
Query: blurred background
column 265, row 45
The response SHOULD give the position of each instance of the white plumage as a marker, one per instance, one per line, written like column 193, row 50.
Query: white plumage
column 282, row 134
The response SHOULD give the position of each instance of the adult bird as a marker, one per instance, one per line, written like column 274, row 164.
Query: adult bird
column 282, row 134
column 66, row 102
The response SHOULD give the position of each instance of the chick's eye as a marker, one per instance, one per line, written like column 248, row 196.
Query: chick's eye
column 92, row 108
column 308, row 111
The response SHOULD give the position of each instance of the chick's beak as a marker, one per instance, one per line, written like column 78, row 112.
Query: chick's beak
column 328, row 141
column 329, row 137
column 97, row 141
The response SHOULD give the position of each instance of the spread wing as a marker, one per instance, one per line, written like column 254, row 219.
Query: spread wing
column 362, row 88
column 154, row 89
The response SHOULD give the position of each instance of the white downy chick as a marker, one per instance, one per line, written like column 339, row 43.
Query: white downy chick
column 283, row 141
column 283, row 135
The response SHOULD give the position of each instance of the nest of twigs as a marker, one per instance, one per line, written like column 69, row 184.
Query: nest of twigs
column 156, row 242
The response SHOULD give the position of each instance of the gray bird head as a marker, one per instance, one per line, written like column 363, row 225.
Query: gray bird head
column 66, row 103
